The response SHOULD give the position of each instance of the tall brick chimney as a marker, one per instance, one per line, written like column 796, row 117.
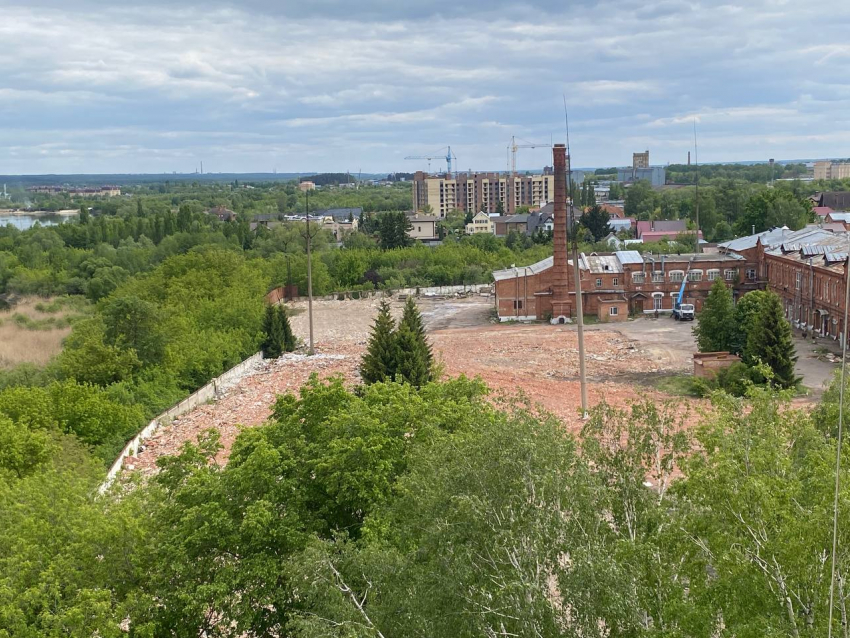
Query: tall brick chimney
column 560, row 277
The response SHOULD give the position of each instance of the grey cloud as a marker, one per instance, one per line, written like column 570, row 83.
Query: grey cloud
column 330, row 85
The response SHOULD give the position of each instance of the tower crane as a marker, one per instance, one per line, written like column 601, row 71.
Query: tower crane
column 513, row 149
column 449, row 156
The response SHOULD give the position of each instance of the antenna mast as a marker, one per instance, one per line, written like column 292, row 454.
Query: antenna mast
column 696, row 183
column 572, row 233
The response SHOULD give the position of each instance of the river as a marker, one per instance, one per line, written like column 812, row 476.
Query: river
column 23, row 221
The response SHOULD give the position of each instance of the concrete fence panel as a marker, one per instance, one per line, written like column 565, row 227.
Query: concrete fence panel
column 209, row 392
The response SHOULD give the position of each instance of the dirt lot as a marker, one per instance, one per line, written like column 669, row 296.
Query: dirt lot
column 538, row 360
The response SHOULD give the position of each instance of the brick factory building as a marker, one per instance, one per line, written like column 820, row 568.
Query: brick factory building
column 625, row 280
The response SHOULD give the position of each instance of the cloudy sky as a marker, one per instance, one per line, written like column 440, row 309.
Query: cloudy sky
column 315, row 85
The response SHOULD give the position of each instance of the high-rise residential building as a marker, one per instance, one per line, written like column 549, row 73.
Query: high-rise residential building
column 640, row 160
column 832, row 170
column 477, row 192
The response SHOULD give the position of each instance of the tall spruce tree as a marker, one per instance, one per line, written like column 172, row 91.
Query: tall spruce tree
column 381, row 357
column 411, row 361
column 274, row 338
column 415, row 359
column 770, row 342
column 286, row 330
column 715, row 329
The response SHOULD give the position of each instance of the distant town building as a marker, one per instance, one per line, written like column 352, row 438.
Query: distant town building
column 100, row 191
column 307, row 186
column 424, row 227
column 640, row 160
column 222, row 214
column 480, row 224
column 832, row 170
column 836, row 200
column 481, row 192
column 655, row 175
column 662, row 229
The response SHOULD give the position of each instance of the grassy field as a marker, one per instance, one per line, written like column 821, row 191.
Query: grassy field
column 33, row 330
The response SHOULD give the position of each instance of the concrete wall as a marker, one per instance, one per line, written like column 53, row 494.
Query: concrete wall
column 276, row 295
column 708, row 364
column 207, row 393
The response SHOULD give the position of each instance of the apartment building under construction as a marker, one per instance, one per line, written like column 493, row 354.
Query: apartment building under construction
column 478, row 192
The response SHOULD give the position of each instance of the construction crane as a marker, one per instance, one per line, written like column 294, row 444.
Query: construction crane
column 683, row 311
column 449, row 156
column 513, row 149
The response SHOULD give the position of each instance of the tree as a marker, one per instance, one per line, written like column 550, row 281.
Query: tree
column 715, row 327
column 641, row 200
column 415, row 360
column 596, row 220
column 500, row 208
column 379, row 361
column 771, row 343
column 746, row 310
column 393, row 229
column 274, row 338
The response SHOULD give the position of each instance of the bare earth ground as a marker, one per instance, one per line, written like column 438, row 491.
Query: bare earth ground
column 21, row 345
column 537, row 359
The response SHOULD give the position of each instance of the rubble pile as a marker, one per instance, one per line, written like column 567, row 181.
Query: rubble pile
column 247, row 404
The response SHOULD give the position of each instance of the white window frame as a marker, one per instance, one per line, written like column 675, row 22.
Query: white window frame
column 798, row 280
column 638, row 277
column 695, row 275
column 658, row 277
column 677, row 276
column 658, row 301
column 730, row 274
column 751, row 274
column 616, row 281
column 613, row 311
column 712, row 274
column 599, row 282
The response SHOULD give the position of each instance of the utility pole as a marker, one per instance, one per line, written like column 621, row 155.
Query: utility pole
column 310, row 351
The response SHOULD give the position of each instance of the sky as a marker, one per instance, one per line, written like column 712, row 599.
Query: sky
column 150, row 86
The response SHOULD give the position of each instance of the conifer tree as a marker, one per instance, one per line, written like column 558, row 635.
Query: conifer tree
column 381, row 357
column 286, row 329
column 715, row 329
column 274, row 340
column 411, row 363
column 770, row 342
column 420, row 348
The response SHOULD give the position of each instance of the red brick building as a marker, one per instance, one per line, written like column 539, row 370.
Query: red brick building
column 806, row 268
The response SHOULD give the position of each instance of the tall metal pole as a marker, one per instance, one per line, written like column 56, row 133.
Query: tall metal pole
column 310, row 351
column 696, row 182
column 839, row 442
column 572, row 231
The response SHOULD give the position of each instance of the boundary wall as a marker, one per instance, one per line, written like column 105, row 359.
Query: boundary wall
column 276, row 295
column 209, row 392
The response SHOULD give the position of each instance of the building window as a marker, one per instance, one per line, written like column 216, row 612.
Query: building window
column 799, row 281
column 613, row 310
column 713, row 274
column 695, row 275
column 677, row 275
column 599, row 283
column 730, row 275
column 637, row 277
column 616, row 281
column 518, row 304
column 658, row 277
column 656, row 302
column 751, row 273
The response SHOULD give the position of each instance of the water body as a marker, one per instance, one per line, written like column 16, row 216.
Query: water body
column 28, row 220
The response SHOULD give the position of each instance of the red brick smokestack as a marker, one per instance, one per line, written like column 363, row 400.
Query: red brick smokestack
column 560, row 283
